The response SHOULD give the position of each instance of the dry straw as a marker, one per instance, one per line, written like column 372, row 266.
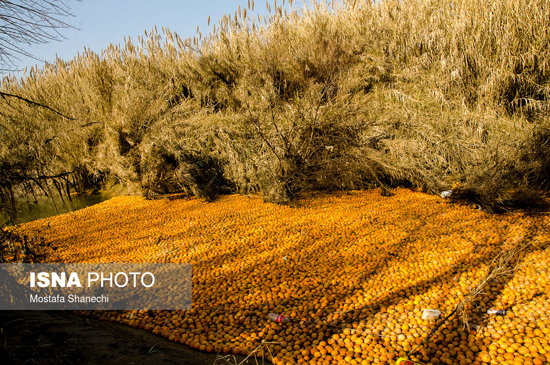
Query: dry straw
column 334, row 95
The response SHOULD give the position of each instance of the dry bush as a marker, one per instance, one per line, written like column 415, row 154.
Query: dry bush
column 337, row 95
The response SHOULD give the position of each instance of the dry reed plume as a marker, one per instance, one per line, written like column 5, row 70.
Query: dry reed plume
column 337, row 95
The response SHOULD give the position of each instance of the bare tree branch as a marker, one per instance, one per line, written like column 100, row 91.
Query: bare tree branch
column 27, row 22
column 33, row 103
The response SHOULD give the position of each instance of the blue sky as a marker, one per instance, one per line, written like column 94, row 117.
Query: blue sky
column 101, row 22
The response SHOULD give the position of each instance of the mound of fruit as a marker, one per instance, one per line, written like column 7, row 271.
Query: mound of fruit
column 353, row 272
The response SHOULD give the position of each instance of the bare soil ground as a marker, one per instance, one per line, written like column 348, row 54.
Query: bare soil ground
column 60, row 337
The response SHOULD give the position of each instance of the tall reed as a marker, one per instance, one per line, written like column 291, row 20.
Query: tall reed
column 333, row 95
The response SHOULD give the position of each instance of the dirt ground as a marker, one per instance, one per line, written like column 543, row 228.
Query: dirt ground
column 60, row 337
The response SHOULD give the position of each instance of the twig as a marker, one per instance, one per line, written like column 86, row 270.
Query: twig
column 502, row 262
column 33, row 103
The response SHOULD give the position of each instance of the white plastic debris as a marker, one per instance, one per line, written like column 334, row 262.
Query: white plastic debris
column 429, row 314
column 446, row 194
column 498, row 312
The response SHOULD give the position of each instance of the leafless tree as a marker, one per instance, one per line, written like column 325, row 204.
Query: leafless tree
column 24, row 23
column 27, row 22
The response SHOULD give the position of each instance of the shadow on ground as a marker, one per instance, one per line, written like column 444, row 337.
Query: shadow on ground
column 60, row 337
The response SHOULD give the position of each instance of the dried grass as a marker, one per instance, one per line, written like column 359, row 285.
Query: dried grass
column 335, row 95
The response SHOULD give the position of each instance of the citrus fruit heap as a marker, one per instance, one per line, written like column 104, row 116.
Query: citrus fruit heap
column 353, row 271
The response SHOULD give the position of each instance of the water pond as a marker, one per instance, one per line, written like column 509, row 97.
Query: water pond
column 46, row 207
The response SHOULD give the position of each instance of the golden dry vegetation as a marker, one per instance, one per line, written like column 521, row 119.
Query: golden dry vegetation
column 353, row 271
column 334, row 94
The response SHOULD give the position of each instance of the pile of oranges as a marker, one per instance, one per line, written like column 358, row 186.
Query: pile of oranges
column 353, row 271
